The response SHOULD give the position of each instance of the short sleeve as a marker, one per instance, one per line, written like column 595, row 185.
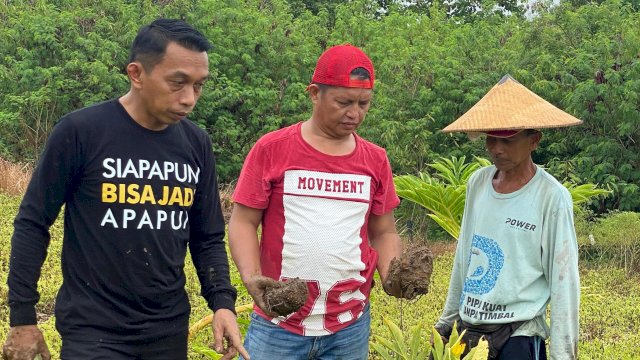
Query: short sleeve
column 385, row 198
column 253, row 188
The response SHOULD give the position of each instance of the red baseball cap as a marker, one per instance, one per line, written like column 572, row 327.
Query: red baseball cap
column 335, row 65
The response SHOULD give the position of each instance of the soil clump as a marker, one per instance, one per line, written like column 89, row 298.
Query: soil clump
column 285, row 297
column 412, row 272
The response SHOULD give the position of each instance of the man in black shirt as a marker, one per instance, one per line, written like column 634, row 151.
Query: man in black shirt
column 139, row 185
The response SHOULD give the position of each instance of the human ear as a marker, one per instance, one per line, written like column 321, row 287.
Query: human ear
column 314, row 92
column 134, row 71
column 535, row 140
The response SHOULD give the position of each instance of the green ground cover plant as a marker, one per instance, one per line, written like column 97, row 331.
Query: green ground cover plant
column 613, row 239
column 609, row 315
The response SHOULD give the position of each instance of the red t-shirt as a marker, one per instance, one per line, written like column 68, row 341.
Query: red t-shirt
column 314, row 225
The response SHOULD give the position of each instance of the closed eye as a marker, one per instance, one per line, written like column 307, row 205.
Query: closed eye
column 177, row 83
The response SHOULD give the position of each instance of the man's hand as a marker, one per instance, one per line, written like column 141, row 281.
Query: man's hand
column 444, row 331
column 442, row 337
column 409, row 276
column 256, row 286
column 391, row 284
column 25, row 343
column 226, row 335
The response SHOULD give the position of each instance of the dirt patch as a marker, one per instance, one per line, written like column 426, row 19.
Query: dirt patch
column 441, row 248
column 226, row 201
column 412, row 272
column 286, row 297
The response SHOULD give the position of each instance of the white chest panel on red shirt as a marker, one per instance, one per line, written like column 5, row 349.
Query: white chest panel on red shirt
column 324, row 216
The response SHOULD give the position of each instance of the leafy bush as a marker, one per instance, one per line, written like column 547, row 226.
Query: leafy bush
column 431, row 67
column 442, row 194
column 398, row 347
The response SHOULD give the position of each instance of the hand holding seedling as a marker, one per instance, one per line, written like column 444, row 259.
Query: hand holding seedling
column 25, row 343
column 410, row 275
column 226, row 335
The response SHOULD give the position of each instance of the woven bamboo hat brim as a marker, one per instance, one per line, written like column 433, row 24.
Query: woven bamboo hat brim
column 511, row 106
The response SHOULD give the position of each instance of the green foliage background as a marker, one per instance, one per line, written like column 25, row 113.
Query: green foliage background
column 433, row 62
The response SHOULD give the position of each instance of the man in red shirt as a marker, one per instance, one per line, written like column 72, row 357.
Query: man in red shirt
column 324, row 198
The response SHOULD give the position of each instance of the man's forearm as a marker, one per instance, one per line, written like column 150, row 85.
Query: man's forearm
column 210, row 259
column 28, row 252
column 388, row 246
column 245, row 251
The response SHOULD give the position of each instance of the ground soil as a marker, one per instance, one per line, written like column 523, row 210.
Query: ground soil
column 413, row 270
column 286, row 297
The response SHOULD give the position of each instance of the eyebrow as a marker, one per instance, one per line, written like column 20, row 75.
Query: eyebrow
column 346, row 97
column 184, row 75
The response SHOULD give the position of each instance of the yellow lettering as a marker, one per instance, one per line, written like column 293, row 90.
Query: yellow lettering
column 122, row 192
column 188, row 196
column 109, row 193
column 165, row 196
column 147, row 195
column 176, row 196
column 134, row 195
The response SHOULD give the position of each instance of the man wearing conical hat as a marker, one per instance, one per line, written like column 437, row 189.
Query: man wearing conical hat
column 517, row 250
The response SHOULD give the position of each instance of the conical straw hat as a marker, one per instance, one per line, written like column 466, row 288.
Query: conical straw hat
column 511, row 106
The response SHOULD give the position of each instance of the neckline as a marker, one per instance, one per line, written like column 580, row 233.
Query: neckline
column 513, row 194
column 317, row 152
column 134, row 124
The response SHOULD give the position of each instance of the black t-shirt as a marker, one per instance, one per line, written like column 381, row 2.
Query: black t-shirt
column 134, row 200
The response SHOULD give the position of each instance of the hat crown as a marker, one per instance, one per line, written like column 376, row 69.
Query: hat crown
column 506, row 78
column 509, row 105
column 335, row 65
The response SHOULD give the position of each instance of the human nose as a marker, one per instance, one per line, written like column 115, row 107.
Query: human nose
column 354, row 111
column 188, row 97
column 494, row 147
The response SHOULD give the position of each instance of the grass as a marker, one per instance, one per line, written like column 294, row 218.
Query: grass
column 614, row 239
column 15, row 177
column 609, row 314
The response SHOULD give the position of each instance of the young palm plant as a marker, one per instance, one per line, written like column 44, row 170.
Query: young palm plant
column 417, row 345
column 444, row 193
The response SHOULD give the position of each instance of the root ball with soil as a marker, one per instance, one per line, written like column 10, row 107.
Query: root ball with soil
column 285, row 297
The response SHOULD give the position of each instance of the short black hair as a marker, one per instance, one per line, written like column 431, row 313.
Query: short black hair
column 359, row 73
column 151, row 42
